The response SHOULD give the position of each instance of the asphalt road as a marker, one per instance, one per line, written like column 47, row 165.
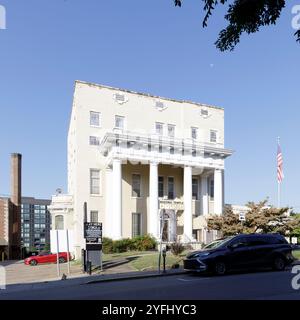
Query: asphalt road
column 260, row 285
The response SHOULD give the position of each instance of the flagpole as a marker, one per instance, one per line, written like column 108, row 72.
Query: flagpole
column 278, row 181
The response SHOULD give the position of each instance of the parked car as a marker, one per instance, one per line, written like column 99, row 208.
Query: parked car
column 47, row 257
column 241, row 252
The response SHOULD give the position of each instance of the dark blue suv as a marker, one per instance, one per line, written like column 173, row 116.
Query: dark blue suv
column 242, row 252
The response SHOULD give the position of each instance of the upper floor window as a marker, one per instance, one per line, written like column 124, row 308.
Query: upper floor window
column 136, row 185
column 95, row 181
column 94, row 141
column 94, row 216
column 119, row 122
column 211, row 189
column 160, row 187
column 159, row 128
column 213, row 135
column 195, row 188
column 171, row 194
column 171, row 130
column 95, row 119
column 194, row 133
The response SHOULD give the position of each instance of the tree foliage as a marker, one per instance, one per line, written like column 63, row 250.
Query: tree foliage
column 243, row 16
column 259, row 219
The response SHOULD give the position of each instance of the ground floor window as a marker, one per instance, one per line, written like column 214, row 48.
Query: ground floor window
column 160, row 187
column 94, row 216
column 136, row 224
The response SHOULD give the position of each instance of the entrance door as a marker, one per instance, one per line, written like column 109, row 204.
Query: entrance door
column 169, row 227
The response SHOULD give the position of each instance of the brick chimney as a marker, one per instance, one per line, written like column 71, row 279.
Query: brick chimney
column 15, row 215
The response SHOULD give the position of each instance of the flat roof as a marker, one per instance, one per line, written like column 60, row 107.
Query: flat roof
column 147, row 94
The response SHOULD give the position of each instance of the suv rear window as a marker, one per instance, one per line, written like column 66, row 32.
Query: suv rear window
column 275, row 239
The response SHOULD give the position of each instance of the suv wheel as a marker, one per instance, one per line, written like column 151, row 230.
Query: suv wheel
column 220, row 268
column 279, row 264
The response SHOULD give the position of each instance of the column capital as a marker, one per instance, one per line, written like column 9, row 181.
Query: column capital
column 153, row 163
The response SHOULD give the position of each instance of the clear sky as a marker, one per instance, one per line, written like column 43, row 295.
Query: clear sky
column 153, row 47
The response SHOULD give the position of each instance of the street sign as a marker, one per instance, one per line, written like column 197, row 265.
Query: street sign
column 242, row 216
column 93, row 232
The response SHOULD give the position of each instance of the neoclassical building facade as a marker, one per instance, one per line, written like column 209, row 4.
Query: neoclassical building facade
column 135, row 158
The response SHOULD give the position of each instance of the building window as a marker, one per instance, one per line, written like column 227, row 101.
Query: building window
column 204, row 112
column 195, row 188
column 94, row 141
column 172, row 150
column 159, row 128
column 211, row 189
column 95, row 119
column 119, row 122
column 136, row 185
column 94, row 216
column 160, row 148
column 194, row 152
column 160, row 187
column 171, row 130
column 59, row 222
column 94, row 181
column 136, row 224
column 170, row 188
column 213, row 135
column 194, row 133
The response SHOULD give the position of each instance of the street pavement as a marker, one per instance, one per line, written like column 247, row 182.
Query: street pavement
column 266, row 285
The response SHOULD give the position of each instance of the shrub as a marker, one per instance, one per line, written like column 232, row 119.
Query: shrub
column 177, row 248
column 122, row 245
column 144, row 243
column 140, row 243
column 107, row 245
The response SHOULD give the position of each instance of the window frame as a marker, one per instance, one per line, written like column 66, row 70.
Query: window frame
column 99, row 182
column 194, row 128
column 99, row 119
column 140, row 185
column 162, row 128
column 133, row 233
column 174, row 195
column 213, row 131
column 117, row 116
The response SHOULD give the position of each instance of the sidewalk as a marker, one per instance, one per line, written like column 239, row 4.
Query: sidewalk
column 88, row 280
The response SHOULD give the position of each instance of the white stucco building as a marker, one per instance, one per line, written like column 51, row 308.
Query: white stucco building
column 132, row 155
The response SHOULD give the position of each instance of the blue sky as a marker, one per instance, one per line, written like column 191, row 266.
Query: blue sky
column 147, row 46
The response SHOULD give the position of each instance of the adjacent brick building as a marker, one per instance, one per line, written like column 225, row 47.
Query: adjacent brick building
column 10, row 213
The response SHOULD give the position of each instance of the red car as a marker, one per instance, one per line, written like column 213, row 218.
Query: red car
column 47, row 257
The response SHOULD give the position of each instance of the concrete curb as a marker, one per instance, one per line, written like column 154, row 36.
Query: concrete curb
column 136, row 277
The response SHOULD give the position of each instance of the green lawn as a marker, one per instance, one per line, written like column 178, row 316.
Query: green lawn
column 142, row 260
column 150, row 261
column 296, row 254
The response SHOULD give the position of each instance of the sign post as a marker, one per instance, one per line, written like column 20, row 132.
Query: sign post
column 68, row 250
column 57, row 254
column 93, row 238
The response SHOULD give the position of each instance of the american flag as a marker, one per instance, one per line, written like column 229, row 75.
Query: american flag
column 280, row 175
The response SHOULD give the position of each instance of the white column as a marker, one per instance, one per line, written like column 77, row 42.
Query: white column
column 108, row 223
column 188, row 217
column 153, row 218
column 117, row 200
column 218, row 191
column 204, row 195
